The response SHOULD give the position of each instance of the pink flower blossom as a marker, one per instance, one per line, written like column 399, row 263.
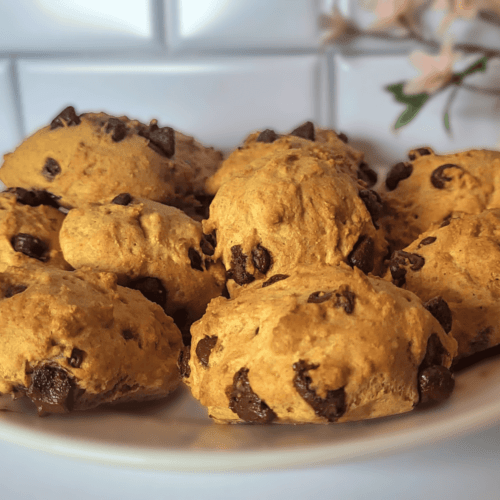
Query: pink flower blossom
column 435, row 70
column 336, row 26
column 395, row 13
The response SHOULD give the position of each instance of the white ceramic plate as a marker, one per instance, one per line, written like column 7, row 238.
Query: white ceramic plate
column 176, row 434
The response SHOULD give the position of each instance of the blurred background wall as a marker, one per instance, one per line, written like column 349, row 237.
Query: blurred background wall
column 218, row 69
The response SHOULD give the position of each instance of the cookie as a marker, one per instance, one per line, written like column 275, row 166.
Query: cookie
column 152, row 247
column 75, row 340
column 324, row 344
column 460, row 262
column 29, row 230
column 323, row 143
column 94, row 156
column 429, row 187
column 294, row 210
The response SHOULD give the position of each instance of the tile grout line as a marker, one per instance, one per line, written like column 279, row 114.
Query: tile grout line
column 16, row 93
column 158, row 18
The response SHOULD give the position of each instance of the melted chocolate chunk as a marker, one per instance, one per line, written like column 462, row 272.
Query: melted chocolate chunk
column 268, row 136
column 398, row 172
column 435, row 383
column 29, row 245
column 127, row 334
column 332, row 407
column 481, row 341
column 51, row 389
column 319, row 297
column 35, row 198
column 343, row 137
column 118, row 128
column 427, row 241
column 204, row 349
column 345, row 299
column 363, row 254
column 275, row 279
column 162, row 141
column 373, row 204
column 206, row 246
column 151, row 288
column 76, row 358
column 51, row 169
column 184, row 357
column 446, row 221
column 412, row 155
column 435, row 353
column 68, row 116
column 397, row 264
column 245, row 403
column 439, row 308
column 238, row 272
column 306, row 131
column 366, row 174
column 196, row 260
column 261, row 259
column 438, row 179
column 14, row 290
column 122, row 199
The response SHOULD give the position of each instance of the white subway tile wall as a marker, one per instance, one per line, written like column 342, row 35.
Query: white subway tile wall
column 218, row 69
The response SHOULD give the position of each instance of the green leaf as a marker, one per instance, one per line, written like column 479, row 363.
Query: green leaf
column 446, row 119
column 478, row 66
column 414, row 103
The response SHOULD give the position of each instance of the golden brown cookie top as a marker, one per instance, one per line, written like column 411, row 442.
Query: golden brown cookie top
column 321, row 143
column 323, row 344
column 29, row 235
column 296, row 209
column 73, row 340
column 459, row 261
column 138, row 239
column 429, row 187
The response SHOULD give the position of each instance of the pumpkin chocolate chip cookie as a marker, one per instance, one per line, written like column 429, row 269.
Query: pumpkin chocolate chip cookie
column 325, row 344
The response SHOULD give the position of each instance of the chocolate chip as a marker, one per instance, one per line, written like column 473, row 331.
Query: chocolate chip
column 435, row 353
column 366, row 174
column 319, row 297
column 245, row 403
column 51, row 169
column 446, row 221
column 29, row 245
column 332, row 407
column 261, row 259
column 427, row 241
column 76, row 358
column 184, row 357
column 306, row 131
column 268, row 136
column 206, row 247
column 127, row 334
column 204, row 349
column 238, row 272
column 439, row 308
column 274, row 279
column 438, row 179
column 35, row 198
column 435, row 383
column 373, row 204
column 51, row 389
column 481, row 341
column 345, row 299
column 162, row 141
column 343, row 137
column 412, row 155
column 68, row 116
column 397, row 264
column 196, row 260
column 151, row 288
column 363, row 254
column 122, row 199
column 118, row 128
column 398, row 172
column 14, row 290
column 211, row 238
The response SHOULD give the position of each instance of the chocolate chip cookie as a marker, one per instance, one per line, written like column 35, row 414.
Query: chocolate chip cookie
column 94, row 156
column 296, row 209
column 75, row 340
column 323, row 344
column 460, row 262
column 29, row 230
column 323, row 143
column 429, row 187
column 154, row 248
